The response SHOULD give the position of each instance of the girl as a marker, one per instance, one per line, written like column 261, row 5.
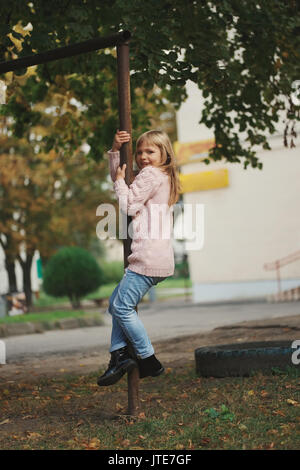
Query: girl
column 154, row 191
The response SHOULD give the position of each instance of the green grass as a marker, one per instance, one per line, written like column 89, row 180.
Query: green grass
column 174, row 283
column 179, row 411
column 46, row 316
column 105, row 291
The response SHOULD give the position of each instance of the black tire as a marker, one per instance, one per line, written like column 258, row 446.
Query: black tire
column 230, row 360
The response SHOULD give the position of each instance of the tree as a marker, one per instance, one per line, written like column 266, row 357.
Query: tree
column 72, row 271
column 45, row 202
column 243, row 55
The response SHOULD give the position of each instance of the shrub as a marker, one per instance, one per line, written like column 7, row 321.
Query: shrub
column 72, row 272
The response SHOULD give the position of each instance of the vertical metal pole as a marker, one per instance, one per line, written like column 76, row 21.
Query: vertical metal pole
column 126, row 157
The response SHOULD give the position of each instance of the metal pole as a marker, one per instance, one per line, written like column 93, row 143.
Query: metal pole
column 126, row 157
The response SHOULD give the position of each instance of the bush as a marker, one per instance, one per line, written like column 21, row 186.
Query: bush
column 72, row 272
column 113, row 271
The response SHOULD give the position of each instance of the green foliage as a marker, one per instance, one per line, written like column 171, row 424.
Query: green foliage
column 112, row 271
column 244, row 56
column 223, row 414
column 72, row 272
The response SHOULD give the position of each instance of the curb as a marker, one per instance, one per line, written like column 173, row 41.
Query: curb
column 28, row 328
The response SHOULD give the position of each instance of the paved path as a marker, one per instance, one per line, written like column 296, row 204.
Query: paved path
column 163, row 320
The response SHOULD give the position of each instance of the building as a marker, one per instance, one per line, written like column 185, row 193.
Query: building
column 250, row 216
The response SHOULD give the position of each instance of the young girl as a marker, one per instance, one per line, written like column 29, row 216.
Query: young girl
column 154, row 191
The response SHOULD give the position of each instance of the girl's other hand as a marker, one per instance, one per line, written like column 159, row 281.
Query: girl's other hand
column 121, row 137
column 121, row 172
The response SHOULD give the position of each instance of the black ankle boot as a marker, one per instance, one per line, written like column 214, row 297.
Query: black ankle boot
column 119, row 364
column 150, row 367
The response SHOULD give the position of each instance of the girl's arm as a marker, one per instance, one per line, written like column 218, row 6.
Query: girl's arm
column 114, row 154
column 132, row 198
column 114, row 163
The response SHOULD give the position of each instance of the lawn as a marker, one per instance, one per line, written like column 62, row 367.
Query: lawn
column 106, row 290
column 103, row 292
column 51, row 316
column 179, row 411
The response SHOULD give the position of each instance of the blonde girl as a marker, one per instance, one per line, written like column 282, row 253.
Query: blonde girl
column 149, row 200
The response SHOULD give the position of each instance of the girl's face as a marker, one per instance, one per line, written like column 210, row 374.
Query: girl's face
column 148, row 154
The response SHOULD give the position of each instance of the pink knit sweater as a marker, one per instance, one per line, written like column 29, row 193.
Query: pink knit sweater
column 146, row 200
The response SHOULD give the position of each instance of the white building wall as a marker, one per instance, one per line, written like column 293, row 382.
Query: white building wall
column 252, row 221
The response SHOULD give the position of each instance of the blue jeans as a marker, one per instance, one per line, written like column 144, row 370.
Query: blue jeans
column 126, row 323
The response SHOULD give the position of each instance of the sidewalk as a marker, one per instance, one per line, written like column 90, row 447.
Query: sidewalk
column 163, row 320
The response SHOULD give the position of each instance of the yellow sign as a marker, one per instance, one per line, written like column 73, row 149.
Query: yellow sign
column 204, row 180
column 190, row 152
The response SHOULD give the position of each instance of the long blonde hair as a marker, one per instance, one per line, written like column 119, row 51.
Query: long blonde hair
column 168, row 162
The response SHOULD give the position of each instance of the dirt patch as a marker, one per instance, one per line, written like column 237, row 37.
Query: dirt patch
column 173, row 352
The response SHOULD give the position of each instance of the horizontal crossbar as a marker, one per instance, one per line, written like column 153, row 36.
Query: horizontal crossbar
column 67, row 51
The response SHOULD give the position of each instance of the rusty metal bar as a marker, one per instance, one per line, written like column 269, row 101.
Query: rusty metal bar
column 125, row 125
column 64, row 52
column 126, row 157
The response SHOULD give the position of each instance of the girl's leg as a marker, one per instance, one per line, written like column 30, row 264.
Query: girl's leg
column 118, row 338
column 130, row 291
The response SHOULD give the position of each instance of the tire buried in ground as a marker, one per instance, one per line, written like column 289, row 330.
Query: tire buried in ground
column 231, row 360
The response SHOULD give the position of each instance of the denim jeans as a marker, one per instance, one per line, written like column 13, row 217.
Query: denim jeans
column 125, row 320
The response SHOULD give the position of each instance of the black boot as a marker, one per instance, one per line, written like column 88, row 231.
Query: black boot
column 150, row 367
column 119, row 364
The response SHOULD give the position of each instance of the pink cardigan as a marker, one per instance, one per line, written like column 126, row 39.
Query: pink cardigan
column 146, row 200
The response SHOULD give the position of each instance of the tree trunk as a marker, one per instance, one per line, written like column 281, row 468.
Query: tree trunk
column 75, row 301
column 26, row 267
column 8, row 248
column 10, row 268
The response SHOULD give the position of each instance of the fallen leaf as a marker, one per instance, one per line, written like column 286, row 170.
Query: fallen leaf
column 4, row 422
column 33, row 435
column 179, row 446
column 119, row 407
column 278, row 412
column 191, row 446
column 242, row 427
column 92, row 444
column 292, row 402
column 205, row 441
